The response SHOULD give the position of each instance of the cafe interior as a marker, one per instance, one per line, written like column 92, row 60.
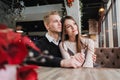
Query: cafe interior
column 97, row 19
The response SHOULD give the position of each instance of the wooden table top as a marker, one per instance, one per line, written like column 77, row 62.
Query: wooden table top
column 48, row 73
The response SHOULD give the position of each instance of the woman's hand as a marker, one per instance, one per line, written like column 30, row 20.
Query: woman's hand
column 94, row 57
column 79, row 57
column 72, row 62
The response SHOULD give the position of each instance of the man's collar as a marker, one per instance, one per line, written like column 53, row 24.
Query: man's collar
column 51, row 39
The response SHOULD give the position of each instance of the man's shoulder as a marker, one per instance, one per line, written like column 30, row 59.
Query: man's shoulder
column 42, row 42
column 43, row 38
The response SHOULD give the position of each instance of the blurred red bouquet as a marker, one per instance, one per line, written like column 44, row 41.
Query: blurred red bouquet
column 13, row 51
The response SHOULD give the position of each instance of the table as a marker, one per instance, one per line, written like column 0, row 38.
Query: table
column 48, row 73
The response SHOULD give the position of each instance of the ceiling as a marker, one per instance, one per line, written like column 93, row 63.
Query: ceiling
column 89, row 9
column 29, row 3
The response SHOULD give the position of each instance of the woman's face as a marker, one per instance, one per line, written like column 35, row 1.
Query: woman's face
column 70, row 27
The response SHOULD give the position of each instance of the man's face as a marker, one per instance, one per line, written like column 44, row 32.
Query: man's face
column 54, row 24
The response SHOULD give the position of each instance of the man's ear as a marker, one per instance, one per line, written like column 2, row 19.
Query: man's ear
column 46, row 26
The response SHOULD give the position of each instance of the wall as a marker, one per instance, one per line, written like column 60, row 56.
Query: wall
column 93, row 31
column 37, row 12
column 74, row 11
column 118, row 20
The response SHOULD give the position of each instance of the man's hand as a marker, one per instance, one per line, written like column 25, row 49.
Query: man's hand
column 72, row 62
column 79, row 57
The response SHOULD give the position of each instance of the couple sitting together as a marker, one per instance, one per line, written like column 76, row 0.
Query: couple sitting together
column 62, row 45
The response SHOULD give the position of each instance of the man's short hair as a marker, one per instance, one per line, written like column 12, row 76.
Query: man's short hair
column 46, row 17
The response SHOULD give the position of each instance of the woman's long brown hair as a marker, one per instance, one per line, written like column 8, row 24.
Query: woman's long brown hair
column 64, row 36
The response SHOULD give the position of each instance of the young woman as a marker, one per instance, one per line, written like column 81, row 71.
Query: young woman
column 73, row 45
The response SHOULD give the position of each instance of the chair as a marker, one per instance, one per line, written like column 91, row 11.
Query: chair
column 108, row 57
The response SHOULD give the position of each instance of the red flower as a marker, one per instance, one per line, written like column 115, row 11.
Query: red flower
column 12, row 46
column 17, row 52
column 69, row 2
column 3, row 58
column 27, row 73
column 13, row 50
column 29, row 43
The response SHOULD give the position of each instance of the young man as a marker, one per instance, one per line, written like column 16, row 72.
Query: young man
column 49, row 45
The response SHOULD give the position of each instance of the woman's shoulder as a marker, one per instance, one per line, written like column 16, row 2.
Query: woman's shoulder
column 64, row 43
column 86, row 40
